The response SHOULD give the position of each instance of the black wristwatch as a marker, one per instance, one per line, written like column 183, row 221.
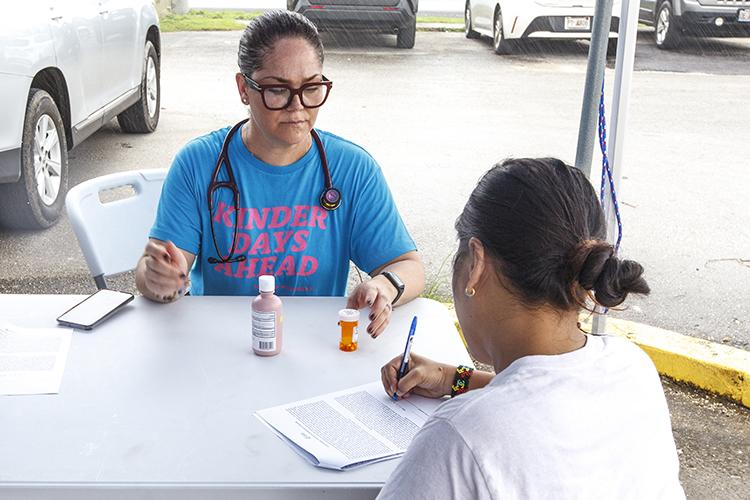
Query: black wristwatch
column 396, row 282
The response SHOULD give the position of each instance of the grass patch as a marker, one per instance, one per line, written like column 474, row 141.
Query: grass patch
column 441, row 29
column 204, row 20
column 228, row 20
column 437, row 283
column 440, row 20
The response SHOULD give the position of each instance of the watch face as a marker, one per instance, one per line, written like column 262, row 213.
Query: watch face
column 393, row 278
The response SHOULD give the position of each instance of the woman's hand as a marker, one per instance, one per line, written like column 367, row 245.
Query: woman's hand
column 424, row 378
column 377, row 293
column 166, row 269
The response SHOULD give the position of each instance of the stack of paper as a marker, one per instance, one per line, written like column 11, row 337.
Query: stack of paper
column 350, row 428
column 32, row 360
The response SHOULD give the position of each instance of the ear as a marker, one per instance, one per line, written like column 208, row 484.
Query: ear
column 241, row 87
column 478, row 263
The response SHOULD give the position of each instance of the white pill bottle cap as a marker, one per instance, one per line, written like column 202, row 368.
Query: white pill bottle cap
column 350, row 315
column 267, row 283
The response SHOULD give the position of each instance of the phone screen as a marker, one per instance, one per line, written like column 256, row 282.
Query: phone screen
column 94, row 308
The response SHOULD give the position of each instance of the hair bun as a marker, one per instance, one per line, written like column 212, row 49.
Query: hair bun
column 597, row 268
column 588, row 260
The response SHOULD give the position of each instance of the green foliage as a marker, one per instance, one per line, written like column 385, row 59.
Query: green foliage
column 206, row 20
column 438, row 282
column 440, row 20
column 227, row 20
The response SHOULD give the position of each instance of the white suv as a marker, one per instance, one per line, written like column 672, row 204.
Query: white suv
column 67, row 67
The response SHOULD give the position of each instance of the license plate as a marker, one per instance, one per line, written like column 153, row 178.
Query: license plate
column 577, row 23
column 743, row 15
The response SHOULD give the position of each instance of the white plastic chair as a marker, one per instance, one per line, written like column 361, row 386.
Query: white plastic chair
column 112, row 235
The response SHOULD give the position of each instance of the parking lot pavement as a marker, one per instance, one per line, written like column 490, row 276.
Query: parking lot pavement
column 713, row 443
column 441, row 114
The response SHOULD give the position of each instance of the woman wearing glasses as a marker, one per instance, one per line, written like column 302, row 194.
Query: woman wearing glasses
column 566, row 414
column 273, row 195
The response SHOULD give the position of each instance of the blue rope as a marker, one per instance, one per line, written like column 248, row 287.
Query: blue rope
column 607, row 172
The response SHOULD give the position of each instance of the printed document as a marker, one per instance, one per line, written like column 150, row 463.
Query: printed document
column 32, row 360
column 350, row 428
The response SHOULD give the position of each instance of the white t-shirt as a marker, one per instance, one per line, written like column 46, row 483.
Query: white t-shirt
column 592, row 423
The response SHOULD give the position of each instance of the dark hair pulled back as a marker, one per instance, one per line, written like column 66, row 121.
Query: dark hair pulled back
column 262, row 33
column 542, row 223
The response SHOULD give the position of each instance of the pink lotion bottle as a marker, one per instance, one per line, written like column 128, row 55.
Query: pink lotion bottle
column 267, row 318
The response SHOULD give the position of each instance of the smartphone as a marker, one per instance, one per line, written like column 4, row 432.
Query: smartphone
column 94, row 309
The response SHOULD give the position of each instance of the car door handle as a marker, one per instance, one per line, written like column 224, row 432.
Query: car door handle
column 102, row 12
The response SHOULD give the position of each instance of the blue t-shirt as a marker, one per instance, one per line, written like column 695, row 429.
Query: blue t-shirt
column 281, row 227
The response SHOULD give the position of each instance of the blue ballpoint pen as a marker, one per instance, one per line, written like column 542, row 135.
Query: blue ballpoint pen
column 405, row 359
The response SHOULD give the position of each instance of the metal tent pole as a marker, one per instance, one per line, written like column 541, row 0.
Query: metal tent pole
column 593, row 87
column 628, row 34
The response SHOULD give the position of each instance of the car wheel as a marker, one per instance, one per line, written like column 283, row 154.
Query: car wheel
column 143, row 116
column 499, row 42
column 667, row 29
column 407, row 35
column 36, row 200
column 612, row 47
column 468, row 24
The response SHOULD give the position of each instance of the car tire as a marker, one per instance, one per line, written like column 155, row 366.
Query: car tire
column 37, row 199
column 499, row 42
column 468, row 23
column 143, row 116
column 407, row 35
column 667, row 27
column 612, row 47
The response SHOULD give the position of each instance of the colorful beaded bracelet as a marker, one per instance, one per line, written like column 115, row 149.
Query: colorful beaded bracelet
column 461, row 380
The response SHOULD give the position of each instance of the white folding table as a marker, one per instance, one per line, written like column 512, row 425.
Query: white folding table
column 158, row 401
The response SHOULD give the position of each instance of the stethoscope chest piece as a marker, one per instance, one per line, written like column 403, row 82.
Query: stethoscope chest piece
column 330, row 199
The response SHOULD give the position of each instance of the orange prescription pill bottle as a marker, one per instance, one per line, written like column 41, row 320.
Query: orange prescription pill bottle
column 349, row 322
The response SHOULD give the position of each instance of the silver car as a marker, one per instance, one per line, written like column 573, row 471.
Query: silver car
column 67, row 67
column 674, row 19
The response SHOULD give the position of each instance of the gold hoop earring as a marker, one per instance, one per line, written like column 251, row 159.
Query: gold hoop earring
column 470, row 292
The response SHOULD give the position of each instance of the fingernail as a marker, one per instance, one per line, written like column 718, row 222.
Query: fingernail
column 369, row 302
column 372, row 317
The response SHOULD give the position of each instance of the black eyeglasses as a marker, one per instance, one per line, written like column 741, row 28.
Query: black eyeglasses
column 278, row 96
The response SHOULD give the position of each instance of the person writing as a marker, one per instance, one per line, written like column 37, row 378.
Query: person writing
column 566, row 414
column 273, row 195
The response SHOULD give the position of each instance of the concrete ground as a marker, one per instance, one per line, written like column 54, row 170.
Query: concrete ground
column 713, row 442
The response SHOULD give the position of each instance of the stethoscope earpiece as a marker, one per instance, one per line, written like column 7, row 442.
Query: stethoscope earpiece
column 330, row 199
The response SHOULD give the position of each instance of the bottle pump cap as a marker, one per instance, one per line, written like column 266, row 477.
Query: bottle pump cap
column 349, row 315
column 267, row 283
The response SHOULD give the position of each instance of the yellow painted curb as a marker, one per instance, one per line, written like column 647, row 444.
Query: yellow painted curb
column 716, row 368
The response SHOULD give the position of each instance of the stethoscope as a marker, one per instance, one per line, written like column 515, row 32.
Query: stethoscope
column 330, row 198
